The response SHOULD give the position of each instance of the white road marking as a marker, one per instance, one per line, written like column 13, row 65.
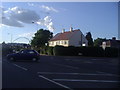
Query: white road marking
column 66, row 66
column 100, row 72
column 76, row 80
column 87, row 62
column 89, row 74
column 97, row 59
column 55, row 82
column 108, row 73
column 20, row 67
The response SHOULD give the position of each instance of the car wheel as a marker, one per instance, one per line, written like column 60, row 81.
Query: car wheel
column 34, row 59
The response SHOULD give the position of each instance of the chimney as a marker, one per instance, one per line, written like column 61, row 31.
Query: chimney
column 71, row 29
column 63, row 30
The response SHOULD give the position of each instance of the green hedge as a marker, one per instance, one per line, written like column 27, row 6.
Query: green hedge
column 50, row 50
column 85, row 51
column 112, row 52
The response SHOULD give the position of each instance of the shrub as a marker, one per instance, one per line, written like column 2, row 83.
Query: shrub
column 85, row 51
column 50, row 50
column 111, row 52
column 58, row 50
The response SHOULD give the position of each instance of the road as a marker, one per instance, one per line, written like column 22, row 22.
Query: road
column 61, row 72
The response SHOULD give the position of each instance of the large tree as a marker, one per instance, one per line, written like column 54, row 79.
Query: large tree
column 41, row 37
column 89, row 38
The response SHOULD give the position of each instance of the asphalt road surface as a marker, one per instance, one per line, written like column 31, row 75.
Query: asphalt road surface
column 61, row 72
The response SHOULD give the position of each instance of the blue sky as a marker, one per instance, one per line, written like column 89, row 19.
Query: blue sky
column 99, row 18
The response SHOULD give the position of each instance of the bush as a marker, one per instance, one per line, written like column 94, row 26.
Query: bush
column 58, row 50
column 111, row 52
column 85, row 51
column 50, row 50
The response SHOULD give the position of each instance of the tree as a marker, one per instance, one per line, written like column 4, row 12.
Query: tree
column 98, row 41
column 89, row 38
column 41, row 37
column 3, row 43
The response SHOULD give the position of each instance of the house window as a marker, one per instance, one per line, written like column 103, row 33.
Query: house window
column 61, row 42
column 56, row 43
column 65, row 42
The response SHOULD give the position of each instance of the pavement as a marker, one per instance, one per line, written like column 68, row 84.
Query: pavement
column 61, row 72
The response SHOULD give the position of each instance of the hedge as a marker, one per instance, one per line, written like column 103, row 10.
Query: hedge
column 85, row 51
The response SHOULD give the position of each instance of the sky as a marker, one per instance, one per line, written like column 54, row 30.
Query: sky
column 99, row 18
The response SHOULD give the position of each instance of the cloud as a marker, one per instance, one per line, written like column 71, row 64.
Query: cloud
column 47, row 21
column 11, row 22
column 30, row 4
column 49, row 9
column 16, row 16
column 30, row 34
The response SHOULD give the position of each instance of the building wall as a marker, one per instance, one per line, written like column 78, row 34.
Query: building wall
column 59, row 42
column 78, row 39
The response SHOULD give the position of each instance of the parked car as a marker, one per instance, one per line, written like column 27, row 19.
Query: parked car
column 24, row 55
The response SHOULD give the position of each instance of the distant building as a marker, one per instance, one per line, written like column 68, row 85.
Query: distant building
column 112, row 43
column 69, row 38
column 22, row 45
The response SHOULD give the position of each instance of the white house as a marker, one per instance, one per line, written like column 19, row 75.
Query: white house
column 69, row 38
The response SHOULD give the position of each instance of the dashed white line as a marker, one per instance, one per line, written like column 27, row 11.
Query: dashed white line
column 76, row 80
column 20, row 67
column 55, row 82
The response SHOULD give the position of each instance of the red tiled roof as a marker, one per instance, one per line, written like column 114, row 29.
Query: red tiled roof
column 64, row 36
